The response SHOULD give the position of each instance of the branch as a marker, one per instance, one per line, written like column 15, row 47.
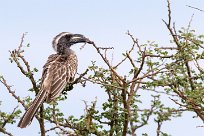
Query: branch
column 28, row 73
column 195, row 8
column 21, row 43
column 191, row 104
column 126, row 107
column 131, row 60
column 159, row 56
column 77, row 80
column 135, row 42
column 108, row 64
column 100, row 83
column 168, row 25
column 150, row 73
column 5, row 132
column 41, row 121
column 167, row 48
column 8, row 87
column 169, row 12
column 141, row 66
column 159, row 124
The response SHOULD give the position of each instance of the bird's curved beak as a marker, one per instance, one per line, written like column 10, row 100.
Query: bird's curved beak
column 78, row 38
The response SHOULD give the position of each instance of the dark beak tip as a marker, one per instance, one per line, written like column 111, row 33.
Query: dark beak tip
column 89, row 41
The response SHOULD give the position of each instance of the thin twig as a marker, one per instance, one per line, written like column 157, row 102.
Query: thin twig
column 21, row 43
column 195, row 8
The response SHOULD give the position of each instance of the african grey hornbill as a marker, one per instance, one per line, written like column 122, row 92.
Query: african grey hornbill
column 59, row 71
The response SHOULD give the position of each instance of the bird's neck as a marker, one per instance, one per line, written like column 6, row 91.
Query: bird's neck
column 64, row 50
column 68, row 51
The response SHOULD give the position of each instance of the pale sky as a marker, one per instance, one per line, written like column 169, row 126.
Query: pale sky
column 105, row 22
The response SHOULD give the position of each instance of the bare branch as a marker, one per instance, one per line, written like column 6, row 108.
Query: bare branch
column 195, row 8
column 8, row 87
column 132, row 48
column 108, row 64
column 169, row 13
column 131, row 60
column 21, row 43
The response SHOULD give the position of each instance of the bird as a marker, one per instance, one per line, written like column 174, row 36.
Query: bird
column 58, row 72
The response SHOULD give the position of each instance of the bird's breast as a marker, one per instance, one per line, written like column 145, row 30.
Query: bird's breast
column 72, row 64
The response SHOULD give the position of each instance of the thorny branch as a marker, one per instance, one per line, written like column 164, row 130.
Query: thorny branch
column 8, row 87
column 108, row 64
column 15, row 55
column 135, row 42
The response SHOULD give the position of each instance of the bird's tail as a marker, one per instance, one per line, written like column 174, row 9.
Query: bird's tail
column 31, row 111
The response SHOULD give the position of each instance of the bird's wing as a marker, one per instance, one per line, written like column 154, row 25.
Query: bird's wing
column 55, row 77
column 41, row 96
column 57, row 71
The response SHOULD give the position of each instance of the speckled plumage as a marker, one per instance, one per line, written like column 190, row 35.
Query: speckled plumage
column 58, row 71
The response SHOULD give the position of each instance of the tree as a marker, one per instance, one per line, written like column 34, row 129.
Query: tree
column 174, row 72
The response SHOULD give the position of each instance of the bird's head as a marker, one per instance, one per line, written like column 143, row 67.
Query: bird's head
column 66, row 40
